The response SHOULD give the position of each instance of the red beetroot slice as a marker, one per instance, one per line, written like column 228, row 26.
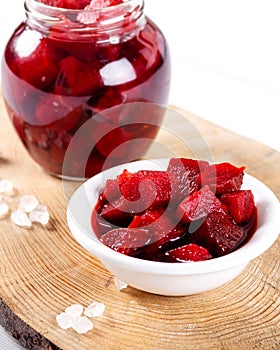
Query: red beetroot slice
column 222, row 177
column 147, row 218
column 116, row 212
column 59, row 147
column 111, row 191
column 115, row 139
column 57, row 110
column 71, row 122
column 240, row 205
column 198, row 205
column 187, row 171
column 110, row 53
column 109, row 101
column 41, row 67
column 80, row 78
column 187, row 253
column 70, row 40
column 128, row 241
column 123, row 177
column 218, row 233
column 120, row 209
column 164, row 230
column 37, row 135
column 160, row 184
column 160, row 222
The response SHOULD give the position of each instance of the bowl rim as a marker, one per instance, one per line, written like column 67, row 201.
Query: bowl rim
column 266, row 234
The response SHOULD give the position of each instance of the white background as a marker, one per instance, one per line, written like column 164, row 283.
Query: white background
column 226, row 62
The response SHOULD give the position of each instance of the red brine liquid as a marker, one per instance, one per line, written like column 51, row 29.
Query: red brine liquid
column 84, row 96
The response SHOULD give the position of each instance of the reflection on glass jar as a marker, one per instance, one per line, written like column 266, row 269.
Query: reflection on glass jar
column 64, row 67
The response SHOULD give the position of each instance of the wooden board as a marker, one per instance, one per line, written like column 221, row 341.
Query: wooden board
column 43, row 270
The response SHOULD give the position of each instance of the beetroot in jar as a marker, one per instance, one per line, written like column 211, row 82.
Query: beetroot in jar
column 85, row 85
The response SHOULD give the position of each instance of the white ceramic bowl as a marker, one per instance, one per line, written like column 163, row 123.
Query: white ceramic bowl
column 172, row 279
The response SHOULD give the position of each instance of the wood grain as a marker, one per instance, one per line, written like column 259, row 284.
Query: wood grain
column 43, row 270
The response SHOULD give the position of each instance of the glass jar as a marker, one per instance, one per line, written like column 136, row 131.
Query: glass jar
column 62, row 68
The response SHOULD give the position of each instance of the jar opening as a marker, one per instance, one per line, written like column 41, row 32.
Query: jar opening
column 104, row 23
column 35, row 4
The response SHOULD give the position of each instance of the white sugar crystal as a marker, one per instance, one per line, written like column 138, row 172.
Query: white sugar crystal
column 120, row 284
column 75, row 310
column 28, row 203
column 6, row 186
column 20, row 218
column 40, row 214
column 82, row 325
column 64, row 320
column 4, row 208
column 95, row 309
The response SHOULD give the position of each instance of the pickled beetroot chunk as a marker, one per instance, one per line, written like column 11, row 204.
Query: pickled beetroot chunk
column 186, row 253
column 164, row 239
column 218, row 234
column 240, row 205
column 128, row 241
column 79, row 78
column 159, row 183
column 223, row 177
column 122, row 207
column 116, row 212
column 56, row 109
column 187, row 172
column 165, row 231
column 41, row 67
column 111, row 191
column 147, row 218
column 198, row 205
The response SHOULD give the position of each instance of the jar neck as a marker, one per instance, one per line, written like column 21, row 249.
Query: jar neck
column 111, row 24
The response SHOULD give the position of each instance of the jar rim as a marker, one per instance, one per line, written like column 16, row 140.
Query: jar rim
column 103, row 24
column 37, row 5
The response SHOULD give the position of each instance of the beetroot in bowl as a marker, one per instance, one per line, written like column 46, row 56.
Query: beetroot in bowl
column 171, row 273
column 193, row 211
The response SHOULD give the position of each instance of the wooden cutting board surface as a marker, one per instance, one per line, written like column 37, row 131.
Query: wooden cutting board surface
column 43, row 270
